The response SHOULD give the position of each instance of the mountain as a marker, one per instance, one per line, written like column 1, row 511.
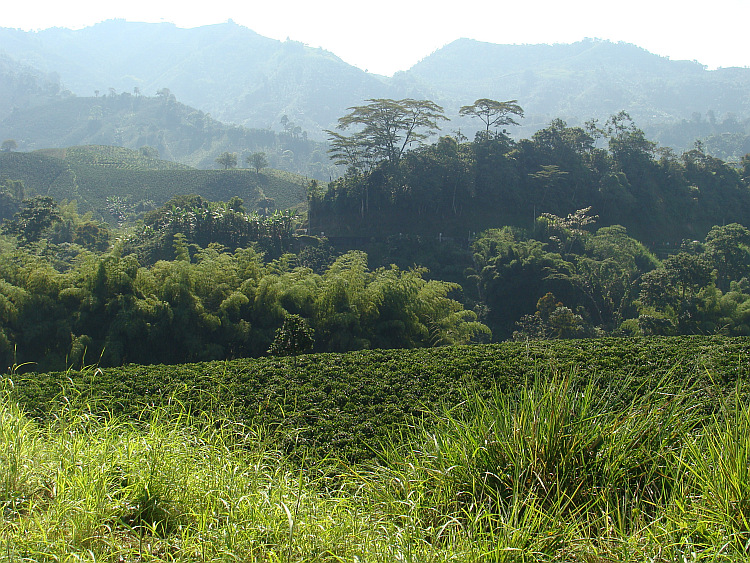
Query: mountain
column 22, row 86
column 584, row 80
column 236, row 76
column 176, row 131
column 225, row 69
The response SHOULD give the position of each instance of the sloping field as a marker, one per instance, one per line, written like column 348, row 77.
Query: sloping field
column 91, row 175
column 350, row 403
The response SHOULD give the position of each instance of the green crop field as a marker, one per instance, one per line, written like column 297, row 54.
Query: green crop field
column 91, row 175
column 350, row 403
column 593, row 451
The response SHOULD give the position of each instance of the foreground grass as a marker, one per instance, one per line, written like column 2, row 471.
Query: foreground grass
column 549, row 471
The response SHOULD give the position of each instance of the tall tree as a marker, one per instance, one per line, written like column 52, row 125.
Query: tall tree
column 37, row 215
column 9, row 145
column 387, row 128
column 257, row 160
column 493, row 113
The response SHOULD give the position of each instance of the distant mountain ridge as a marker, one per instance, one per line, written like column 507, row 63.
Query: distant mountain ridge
column 238, row 76
column 588, row 79
column 225, row 69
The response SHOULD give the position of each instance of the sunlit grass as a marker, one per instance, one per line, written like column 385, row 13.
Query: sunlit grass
column 548, row 472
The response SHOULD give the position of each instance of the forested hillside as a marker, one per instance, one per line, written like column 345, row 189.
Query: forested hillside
column 177, row 132
column 22, row 86
column 458, row 188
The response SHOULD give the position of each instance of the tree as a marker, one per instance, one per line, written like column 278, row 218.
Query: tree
column 37, row 215
column 294, row 337
column 257, row 160
column 387, row 129
column 9, row 145
column 493, row 113
column 728, row 249
column 92, row 236
column 11, row 196
column 227, row 160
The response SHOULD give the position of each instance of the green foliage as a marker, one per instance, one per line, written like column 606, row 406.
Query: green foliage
column 551, row 320
column 456, row 187
column 555, row 464
column 352, row 403
column 92, row 236
column 12, row 194
column 227, row 160
column 293, row 338
column 493, row 113
column 386, row 129
column 212, row 303
column 257, row 160
column 203, row 223
column 31, row 222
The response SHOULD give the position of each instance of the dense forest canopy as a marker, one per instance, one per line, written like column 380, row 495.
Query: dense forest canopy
column 456, row 187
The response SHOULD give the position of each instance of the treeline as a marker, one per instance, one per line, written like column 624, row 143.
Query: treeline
column 199, row 280
column 204, row 280
column 568, row 282
column 108, row 309
column 456, row 187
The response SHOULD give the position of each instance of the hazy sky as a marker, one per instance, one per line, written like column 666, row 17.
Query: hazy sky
column 390, row 35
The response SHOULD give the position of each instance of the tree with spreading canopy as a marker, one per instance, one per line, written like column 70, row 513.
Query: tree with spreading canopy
column 493, row 113
column 257, row 160
column 37, row 215
column 9, row 145
column 227, row 160
column 386, row 130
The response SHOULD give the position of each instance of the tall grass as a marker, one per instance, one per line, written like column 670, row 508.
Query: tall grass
column 552, row 471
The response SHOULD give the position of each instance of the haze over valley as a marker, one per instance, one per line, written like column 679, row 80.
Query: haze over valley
column 230, row 74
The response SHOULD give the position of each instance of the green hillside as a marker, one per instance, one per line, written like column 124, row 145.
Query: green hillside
column 99, row 176
column 176, row 132
column 342, row 403
column 111, row 157
column 595, row 451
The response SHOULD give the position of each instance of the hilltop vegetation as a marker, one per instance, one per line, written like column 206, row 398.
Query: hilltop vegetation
column 458, row 187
